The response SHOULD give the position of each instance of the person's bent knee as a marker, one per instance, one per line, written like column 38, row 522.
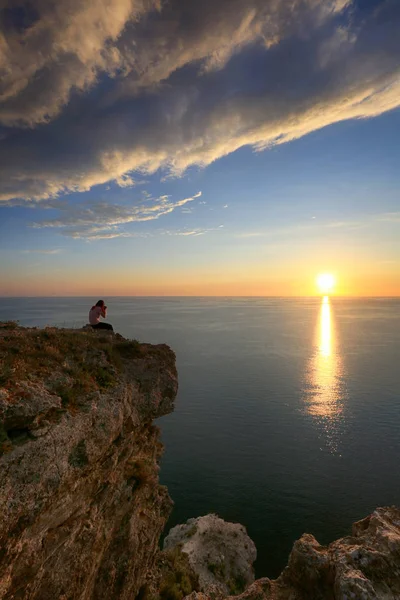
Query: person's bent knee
column 103, row 326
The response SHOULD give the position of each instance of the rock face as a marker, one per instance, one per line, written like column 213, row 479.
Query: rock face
column 220, row 553
column 81, row 510
column 363, row 566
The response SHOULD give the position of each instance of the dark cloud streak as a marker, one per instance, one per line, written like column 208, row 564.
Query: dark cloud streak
column 183, row 85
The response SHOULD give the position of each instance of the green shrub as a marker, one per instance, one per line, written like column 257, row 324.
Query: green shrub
column 9, row 325
column 217, row 569
column 141, row 471
column 104, row 378
column 192, row 531
column 170, row 591
column 237, row 585
column 128, row 349
column 177, row 576
column 5, row 375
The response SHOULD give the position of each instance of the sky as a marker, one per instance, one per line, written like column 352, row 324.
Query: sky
column 207, row 148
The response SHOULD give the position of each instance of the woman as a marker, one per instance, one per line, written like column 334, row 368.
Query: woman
column 97, row 311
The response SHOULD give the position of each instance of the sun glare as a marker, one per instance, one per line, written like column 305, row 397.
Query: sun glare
column 326, row 283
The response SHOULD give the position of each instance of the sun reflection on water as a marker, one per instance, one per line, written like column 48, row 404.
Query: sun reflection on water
column 325, row 342
column 324, row 386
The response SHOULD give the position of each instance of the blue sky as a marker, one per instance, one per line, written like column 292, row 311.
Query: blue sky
column 258, row 151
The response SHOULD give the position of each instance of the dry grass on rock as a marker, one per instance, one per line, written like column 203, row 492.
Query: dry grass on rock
column 71, row 365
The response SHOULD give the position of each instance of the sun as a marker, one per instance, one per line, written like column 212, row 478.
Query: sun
column 325, row 282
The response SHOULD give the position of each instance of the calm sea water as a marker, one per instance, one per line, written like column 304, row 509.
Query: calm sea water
column 288, row 413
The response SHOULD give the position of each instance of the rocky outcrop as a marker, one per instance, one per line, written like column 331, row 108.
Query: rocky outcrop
column 363, row 566
column 220, row 553
column 81, row 510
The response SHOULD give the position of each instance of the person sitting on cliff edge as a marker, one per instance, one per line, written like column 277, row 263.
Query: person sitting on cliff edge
column 97, row 311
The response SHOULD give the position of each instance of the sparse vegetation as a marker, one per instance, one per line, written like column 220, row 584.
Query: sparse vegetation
column 192, row 531
column 5, row 443
column 5, row 375
column 128, row 349
column 140, row 471
column 71, row 364
column 177, row 577
column 218, row 569
column 237, row 585
column 9, row 325
column 104, row 377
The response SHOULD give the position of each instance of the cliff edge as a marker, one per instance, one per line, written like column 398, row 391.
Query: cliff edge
column 81, row 510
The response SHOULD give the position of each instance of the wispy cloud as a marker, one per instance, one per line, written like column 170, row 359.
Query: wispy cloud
column 36, row 251
column 189, row 232
column 103, row 220
column 305, row 227
column 389, row 217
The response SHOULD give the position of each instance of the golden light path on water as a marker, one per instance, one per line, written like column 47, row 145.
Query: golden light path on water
column 324, row 396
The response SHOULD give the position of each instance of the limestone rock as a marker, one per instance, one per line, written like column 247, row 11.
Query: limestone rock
column 220, row 553
column 363, row 566
column 81, row 510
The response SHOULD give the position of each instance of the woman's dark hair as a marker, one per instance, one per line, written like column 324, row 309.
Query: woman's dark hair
column 100, row 303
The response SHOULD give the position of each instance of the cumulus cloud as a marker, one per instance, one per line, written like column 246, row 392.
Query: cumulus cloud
column 102, row 220
column 109, row 90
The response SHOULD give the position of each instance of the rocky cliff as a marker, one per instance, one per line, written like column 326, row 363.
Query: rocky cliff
column 362, row 566
column 221, row 554
column 81, row 510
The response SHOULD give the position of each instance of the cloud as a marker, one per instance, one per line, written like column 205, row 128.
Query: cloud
column 52, row 251
column 124, row 181
column 99, row 91
column 389, row 217
column 55, row 48
column 305, row 227
column 102, row 220
column 189, row 232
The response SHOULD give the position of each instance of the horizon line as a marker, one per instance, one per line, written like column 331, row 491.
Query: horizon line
column 209, row 296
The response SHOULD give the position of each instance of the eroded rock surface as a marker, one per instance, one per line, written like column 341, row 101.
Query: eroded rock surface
column 81, row 510
column 363, row 566
column 220, row 553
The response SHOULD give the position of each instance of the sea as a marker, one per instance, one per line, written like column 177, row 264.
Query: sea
column 287, row 418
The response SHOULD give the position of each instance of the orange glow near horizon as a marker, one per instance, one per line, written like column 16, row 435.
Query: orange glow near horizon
column 230, row 280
